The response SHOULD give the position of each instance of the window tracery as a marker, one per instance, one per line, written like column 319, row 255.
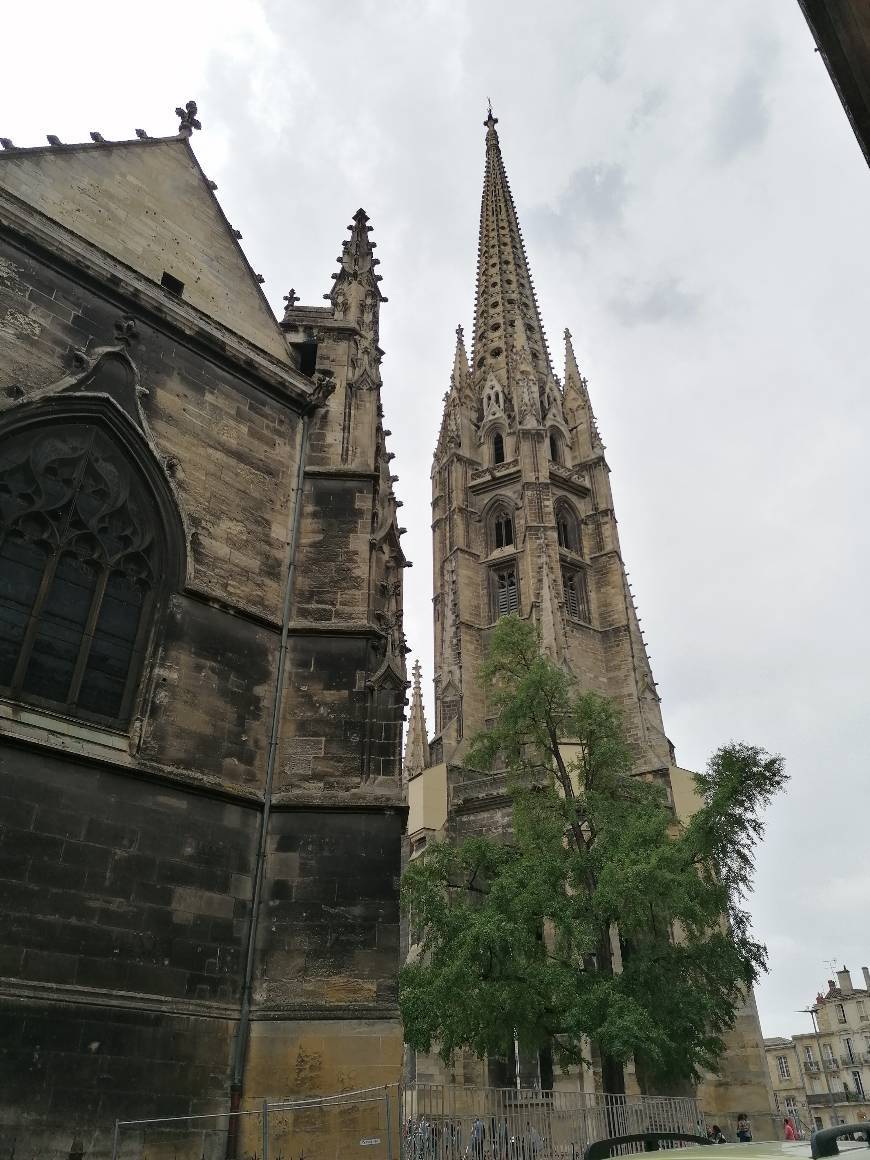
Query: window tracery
column 80, row 563
column 501, row 528
column 568, row 528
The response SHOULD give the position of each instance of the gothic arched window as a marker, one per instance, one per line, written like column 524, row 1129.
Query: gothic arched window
column 555, row 447
column 501, row 528
column 81, row 558
column 498, row 448
column 568, row 528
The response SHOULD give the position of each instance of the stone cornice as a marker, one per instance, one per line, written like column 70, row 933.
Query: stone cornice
column 358, row 800
column 387, row 1012
column 28, row 727
column 339, row 472
column 69, row 993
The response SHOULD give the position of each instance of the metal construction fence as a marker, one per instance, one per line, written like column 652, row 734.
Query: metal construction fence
column 358, row 1123
column 468, row 1123
column 418, row 1122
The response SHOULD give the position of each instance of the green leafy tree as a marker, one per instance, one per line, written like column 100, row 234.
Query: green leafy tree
column 517, row 931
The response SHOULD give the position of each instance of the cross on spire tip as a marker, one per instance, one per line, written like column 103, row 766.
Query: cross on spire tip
column 490, row 121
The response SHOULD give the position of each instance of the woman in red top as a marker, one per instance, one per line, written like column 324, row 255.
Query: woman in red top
column 788, row 1130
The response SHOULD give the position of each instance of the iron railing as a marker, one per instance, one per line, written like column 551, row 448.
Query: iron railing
column 441, row 1122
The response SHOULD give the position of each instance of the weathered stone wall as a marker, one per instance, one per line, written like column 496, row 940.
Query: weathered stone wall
column 125, row 906
column 332, row 936
column 127, row 856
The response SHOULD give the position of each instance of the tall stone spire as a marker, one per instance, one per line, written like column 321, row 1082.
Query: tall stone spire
column 578, row 403
column 450, row 433
column 506, row 316
column 356, row 296
column 417, row 742
column 460, row 374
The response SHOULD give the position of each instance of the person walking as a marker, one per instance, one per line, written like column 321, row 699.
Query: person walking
column 788, row 1130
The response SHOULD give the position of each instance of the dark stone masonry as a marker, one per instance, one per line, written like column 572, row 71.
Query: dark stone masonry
column 202, row 662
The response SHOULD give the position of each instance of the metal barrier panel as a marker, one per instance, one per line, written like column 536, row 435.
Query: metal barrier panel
column 420, row 1122
column 468, row 1123
column 182, row 1137
column 356, row 1126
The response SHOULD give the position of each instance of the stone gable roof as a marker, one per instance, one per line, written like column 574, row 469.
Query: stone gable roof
column 147, row 203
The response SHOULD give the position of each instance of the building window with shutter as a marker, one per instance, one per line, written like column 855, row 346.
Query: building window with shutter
column 505, row 592
column 576, row 594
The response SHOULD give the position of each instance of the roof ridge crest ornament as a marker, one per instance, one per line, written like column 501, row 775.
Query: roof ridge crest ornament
column 188, row 121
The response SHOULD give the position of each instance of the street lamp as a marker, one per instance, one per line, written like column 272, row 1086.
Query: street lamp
column 811, row 1011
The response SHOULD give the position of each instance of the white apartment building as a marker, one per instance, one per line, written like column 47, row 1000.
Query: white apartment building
column 822, row 1078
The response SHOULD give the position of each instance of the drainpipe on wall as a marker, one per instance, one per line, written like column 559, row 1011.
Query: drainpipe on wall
column 240, row 1043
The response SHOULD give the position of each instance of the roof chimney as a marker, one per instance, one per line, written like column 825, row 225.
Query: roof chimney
column 866, row 974
column 844, row 979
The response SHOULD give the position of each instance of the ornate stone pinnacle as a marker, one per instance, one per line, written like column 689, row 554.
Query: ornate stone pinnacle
column 460, row 333
column 490, row 121
column 188, row 121
column 292, row 298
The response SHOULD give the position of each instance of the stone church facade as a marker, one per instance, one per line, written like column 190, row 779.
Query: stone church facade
column 523, row 522
column 202, row 662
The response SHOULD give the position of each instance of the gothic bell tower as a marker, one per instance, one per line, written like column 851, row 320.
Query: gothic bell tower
column 523, row 522
column 522, row 510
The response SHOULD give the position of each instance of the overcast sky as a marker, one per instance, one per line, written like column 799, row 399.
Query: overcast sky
column 696, row 210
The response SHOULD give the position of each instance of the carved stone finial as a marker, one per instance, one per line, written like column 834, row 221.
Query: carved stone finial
column 97, row 138
column 53, row 140
column 568, row 335
column 141, row 134
column 490, row 121
column 188, row 121
column 6, row 143
column 460, row 333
